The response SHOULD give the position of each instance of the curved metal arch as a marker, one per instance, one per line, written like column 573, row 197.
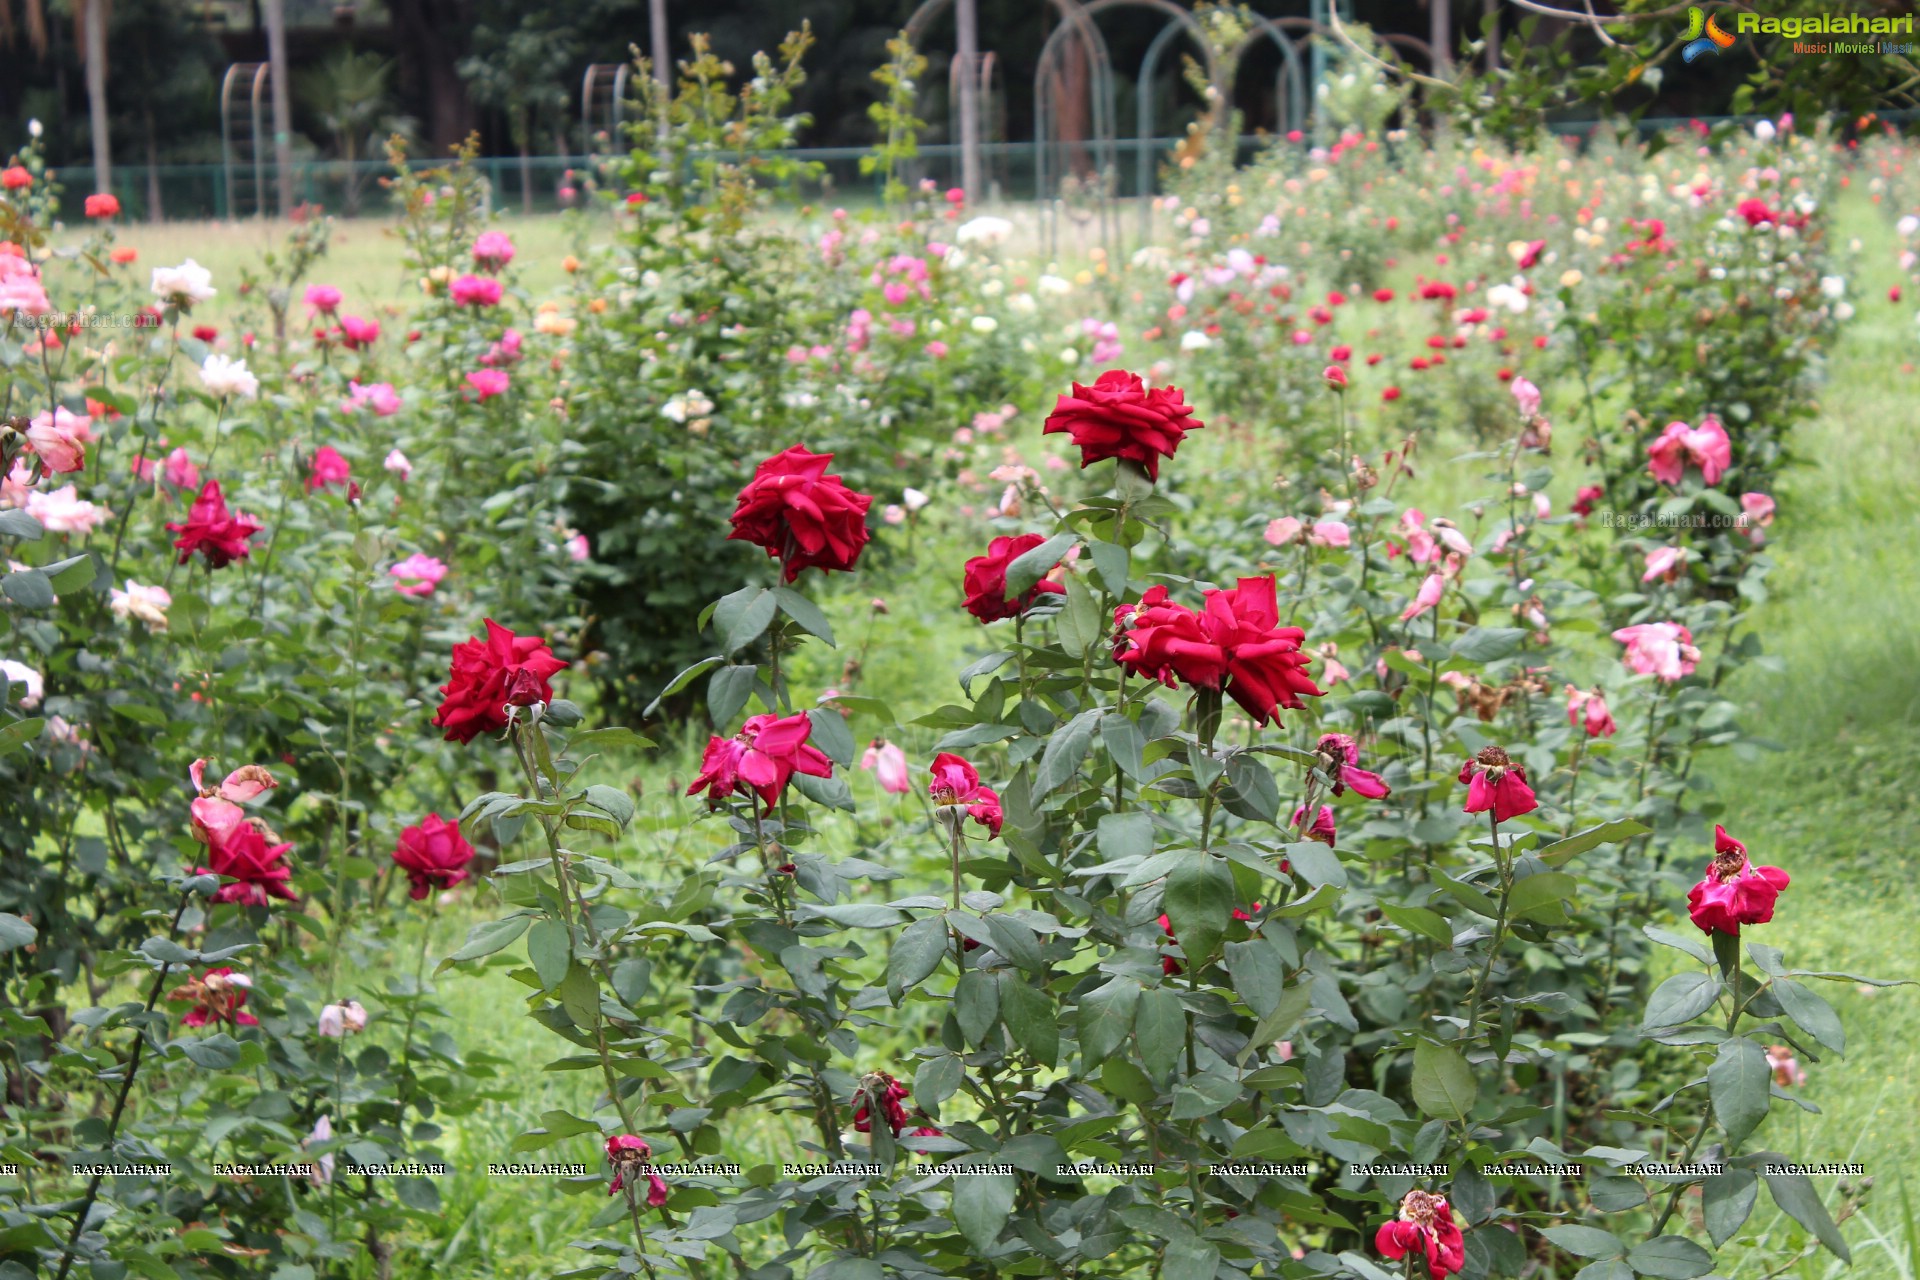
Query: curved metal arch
column 1290, row 82
column 930, row 9
column 1104, row 106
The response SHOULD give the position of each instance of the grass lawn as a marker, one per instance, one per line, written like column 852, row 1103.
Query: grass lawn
column 1836, row 806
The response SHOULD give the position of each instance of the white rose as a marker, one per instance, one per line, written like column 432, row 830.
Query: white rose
column 189, row 282
column 223, row 376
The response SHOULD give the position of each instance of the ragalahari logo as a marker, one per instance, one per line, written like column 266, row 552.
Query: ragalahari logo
column 1704, row 35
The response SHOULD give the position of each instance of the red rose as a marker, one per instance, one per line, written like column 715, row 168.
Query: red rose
column 1238, row 644
column 1119, row 416
column 103, row 205
column 433, row 854
column 1734, row 891
column 1495, row 782
column 238, row 849
column 956, row 784
column 477, row 686
column 329, row 468
column 802, row 515
column 218, row 996
column 215, row 532
column 631, row 1159
column 986, row 579
column 890, row 1094
column 764, row 756
column 1340, row 756
column 15, row 178
column 1425, row 1226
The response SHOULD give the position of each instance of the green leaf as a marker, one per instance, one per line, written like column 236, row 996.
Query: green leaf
column 20, row 732
column 1079, row 623
column 981, row 1204
column 72, row 573
column 728, row 692
column 1488, row 644
column 1252, row 793
column 18, row 524
column 1317, row 864
column 550, row 948
column 1811, row 1012
column 1125, row 835
column 1608, row 1269
column 28, row 588
column 1258, row 975
column 1738, row 1083
column 681, row 681
column 1443, row 1083
column 1726, row 1201
column 1066, row 749
column 976, row 1005
column 1795, row 1195
column 1585, row 1242
column 1681, row 998
column 1199, row 904
column 1541, row 895
column 1105, row 1019
column 1160, row 1030
column 612, row 738
column 1190, row 1258
column 1679, row 942
column 214, row 1053
column 15, row 932
column 1112, row 562
column 916, row 954
column 1030, row 1017
column 1562, row 851
column 1670, row 1258
column 612, row 801
column 580, row 996
column 490, row 936
column 1032, row 565
column 831, row 735
column 1421, row 921
column 805, row 614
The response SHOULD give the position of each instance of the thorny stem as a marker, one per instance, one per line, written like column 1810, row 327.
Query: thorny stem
column 1706, row 1117
column 1499, row 929
column 119, row 1103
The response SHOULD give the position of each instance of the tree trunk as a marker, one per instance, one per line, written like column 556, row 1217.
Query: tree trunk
column 526, row 161
column 95, row 19
column 282, row 108
column 432, row 40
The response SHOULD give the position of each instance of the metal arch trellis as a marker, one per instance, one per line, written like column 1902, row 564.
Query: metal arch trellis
column 1104, row 108
column 255, row 78
column 603, row 94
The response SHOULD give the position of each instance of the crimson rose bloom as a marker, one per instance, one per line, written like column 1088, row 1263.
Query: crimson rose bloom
column 892, row 1096
column 632, row 1159
column 802, row 515
column 433, row 854
column 488, row 674
column 218, row 996
column 1734, row 891
column 1238, row 644
column 986, row 580
column 1119, row 416
column 956, row 784
column 240, row 849
column 215, row 532
column 764, row 755
column 1495, row 782
column 1425, row 1224
column 1340, row 756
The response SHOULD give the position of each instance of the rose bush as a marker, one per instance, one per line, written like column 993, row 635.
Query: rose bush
column 1293, row 884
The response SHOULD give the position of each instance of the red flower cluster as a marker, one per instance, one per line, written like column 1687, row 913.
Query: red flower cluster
column 986, row 579
column 802, row 515
column 956, row 784
column 1425, row 1225
column 1734, row 891
column 215, row 532
column 1237, row 644
column 434, row 855
column 892, row 1097
column 1119, row 416
column 632, row 1159
column 764, row 756
column 218, row 996
column 239, row 848
column 488, row 675
column 1495, row 782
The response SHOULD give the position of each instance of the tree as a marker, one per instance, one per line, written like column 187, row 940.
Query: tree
column 522, row 64
column 349, row 94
